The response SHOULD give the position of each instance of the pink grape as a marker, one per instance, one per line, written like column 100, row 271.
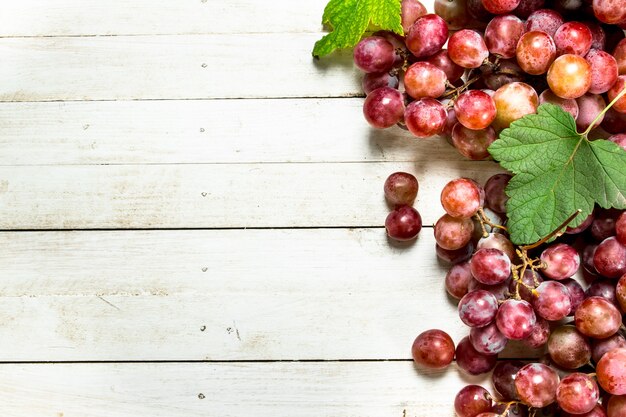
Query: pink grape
column 601, row 346
column 609, row 258
column 502, row 34
column 604, row 71
column 516, row 319
column 526, row 7
column 503, row 378
column 490, row 266
column 478, row 308
column 619, row 140
column 401, row 188
column 427, row 35
column 433, row 349
column 472, row 400
column 423, row 79
column 603, row 225
column 374, row 54
column 573, row 38
column 598, row 35
column 374, row 80
column 539, row 335
column 568, row 347
column 552, row 301
column 611, row 371
column 425, row 117
column 561, row 260
column 500, row 6
column 545, row 20
column 514, row 101
column 472, row 361
column 461, row 198
column 610, row 11
column 597, row 411
column 467, row 48
column 383, row 107
column 567, row 104
column 569, row 76
column 411, row 10
column 475, row 109
column 442, row 61
column 618, row 87
column 452, row 233
column 498, row 241
column 604, row 288
column 616, row 406
column 403, row 223
column 458, row 279
column 454, row 12
column 488, row 339
column 577, row 393
column 536, row 385
column 589, row 106
column 596, row 317
column 472, row 144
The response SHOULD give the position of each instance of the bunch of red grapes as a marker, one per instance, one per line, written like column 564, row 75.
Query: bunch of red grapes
column 528, row 296
column 517, row 55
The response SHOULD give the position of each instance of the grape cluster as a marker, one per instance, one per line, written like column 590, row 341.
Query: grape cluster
column 503, row 59
column 528, row 296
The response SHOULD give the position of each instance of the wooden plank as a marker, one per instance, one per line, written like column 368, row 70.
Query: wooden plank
column 172, row 67
column 205, row 131
column 377, row 389
column 139, row 17
column 219, row 295
column 216, row 195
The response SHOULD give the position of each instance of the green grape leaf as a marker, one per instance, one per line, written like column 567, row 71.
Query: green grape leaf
column 349, row 19
column 556, row 172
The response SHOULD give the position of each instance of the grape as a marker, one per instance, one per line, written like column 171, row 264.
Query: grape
column 423, row 79
column 619, row 53
column 433, row 349
column 590, row 106
column 567, row 104
column 403, row 223
column 545, row 20
column 603, row 225
column 508, row 72
column 383, row 107
column 620, row 84
column 502, row 34
column 604, row 71
column 490, row 266
column 529, row 279
column 454, row 12
column 501, row 291
column 620, row 226
column 610, row 11
column 425, row 117
column 401, row 188
column 568, row 347
column 609, row 258
column 461, row 198
column 503, row 378
column 561, row 260
column 526, row 7
column 478, row 308
column 455, row 256
column 500, row 6
column 588, row 253
column 476, row 10
column 552, row 301
column 620, row 292
column 495, row 197
column 539, row 335
column 611, row 371
column 475, row 109
column 374, row 54
column 576, row 294
column 458, row 279
column 619, row 139
column 450, row 122
column 573, row 38
column 497, row 241
column 535, row 52
column 427, row 35
column 600, row 346
column 374, row 80
column 472, row 400
column 411, row 10
column 514, row 101
column 603, row 288
column 597, row 411
column 488, row 339
column 598, row 318
column 467, row 49
column 442, row 61
column 472, row 361
column 452, row 233
column 536, row 384
column 577, row 393
column 581, row 227
column 614, row 121
column 569, row 76
column 472, row 144
column 617, row 406
column 516, row 319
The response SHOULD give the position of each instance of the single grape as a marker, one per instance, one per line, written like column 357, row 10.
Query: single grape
column 598, row 35
column 576, row 293
column 495, row 197
column 470, row 143
column 403, row 223
column 600, row 346
column 590, row 106
column 500, row 6
column 603, row 225
column 425, row 117
column 552, row 300
column 610, row 11
column 374, row 54
column 502, row 34
column 433, row 349
column 604, row 71
column 442, row 61
column 539, row 335
column 561, row 260
column 516, row 319
column 475, row 109
column 609, row 258
column 604, row 288
column 383, row 107
column 567, row 104
column 490, row 266
column 423, row 79
column 618, row 87
column 374, row 80
column 514, row 101
column 619, row 53
column 472, row 361
column 611, row 371
column 536, row 385
column 620, row 226
column 472, row 400
column 427, row 35
column 503, row 378
column 452, row 233
column 455, row 256
column 508, row 72
column 461, row 198
column 545, row 20
column 616, row 406
column 454, row 12
column 596, row 317
column 478, row 308
column 411, row 10
column 488, row 339
column 573, row 38
column 568, row 347
column 401, row 189
column 577, row 393
column 497, row 241
column 569, row 76
column 467, row 48
column 535, row 52
column 458, row 279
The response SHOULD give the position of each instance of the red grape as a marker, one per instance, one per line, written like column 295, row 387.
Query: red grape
column 610, row 11
column 497, row 241
column 383, row 107
column 425, row 117
column 442, row 61
column 535, row 52
column 545, row 20
column 467, row 48
column 401, row 188
column 411, row 10
column 618, row 87
column 596, row 317
column 609, row 258
column 433, row 349
column 403, row 223
column 500, row 6
column 536, row 384
column 569, row 76
column 516, row 319
column 423, row 79
column 620, row 226
column 472, row 400
column 475, row 109
column 503, row 378
column 568, row 347
column 577, row 393
column 478, row 308
column 374, row 80
column 600, row 346
column 490, row 266
column 552, row 301
column 561, row 260
column 573, row 38
column 427, row 35
column 589, row 107
column 374, row 54
column 604, row 71
column 470, row 143
column 514, row 101
column 502, row 34
column 472, row 361
column 617, row 406
column 452, row 233
column 454, row 12
column 461, row 198
column 539, row 335
column 567, row 104
column 611, row 371
column 458, row 279
column 488, row 339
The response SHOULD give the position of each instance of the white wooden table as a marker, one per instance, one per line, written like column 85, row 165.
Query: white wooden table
column 191, row 213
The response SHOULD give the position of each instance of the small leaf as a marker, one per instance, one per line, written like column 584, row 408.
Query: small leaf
column 557, row 171
column 349, row 19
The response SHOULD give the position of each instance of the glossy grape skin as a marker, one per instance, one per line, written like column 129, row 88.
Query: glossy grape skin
column 478, row 308
column 601, row 346
column 497, row 241
column 597, row 317
column 515, row 319
column 461, row 198
column 475, row 109
column 561, row 260
column 540, row 334
column 374, row 54
column 573, row 38
column 609, row 258
column 577, row 393
column 545, row 20
column 568, row 347
column 401, row 188
column 373, row 80
column 500, row 6
column 620, row 225
column 611, row 371
column 569, row 105
column 576, row 293
column 514, row 101
column 472, row 400
column 433, row 349
column 604, row 71
column 423, row 79
column 458, row 278
column 411, row 10
column 503, row 378
column 619, row 53
column 508, row 72
column 596, row 411
column 442, row 61
column 455, row 256
column 472, row 361
column 535, row 51
column 604, row 288
column 452, row 233
column 603, row 225
column 383, row 107
column 467, row 49
column 403, row 223
column 589, row 106
column 454, row 12
column 569, row 76
column 472, row 144
column 502, row 34
column 610, row 11
column 620, row 84
column 488, row 339
column 425, row 117
column 427, row 35
column 536, row 384
column 552, row 301
column 526, row 7
column 490, row 266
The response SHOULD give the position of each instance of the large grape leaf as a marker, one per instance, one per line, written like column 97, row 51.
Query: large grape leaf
column 349, row 19
column 557, row 171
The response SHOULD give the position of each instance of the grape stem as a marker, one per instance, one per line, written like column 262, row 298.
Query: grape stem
column 601, row 114
column 456, row 91
column 508, row 405
column 485, row 220
column 556, row 232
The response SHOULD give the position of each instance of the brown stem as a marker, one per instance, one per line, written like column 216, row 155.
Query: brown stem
column 555, row 233
column 460, row 89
